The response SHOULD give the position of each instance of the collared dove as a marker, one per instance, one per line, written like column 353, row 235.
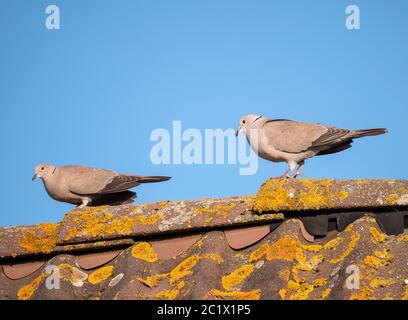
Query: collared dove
column 282, row 140
column 83, row 186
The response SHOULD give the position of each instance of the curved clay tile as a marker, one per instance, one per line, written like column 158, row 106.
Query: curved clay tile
column 244, row 237
column 94, row 260
column 22, row 270
column 306, row 235
column 170, row 248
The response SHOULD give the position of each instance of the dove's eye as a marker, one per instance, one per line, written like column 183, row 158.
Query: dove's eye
column 42, row 168
column 243, row 121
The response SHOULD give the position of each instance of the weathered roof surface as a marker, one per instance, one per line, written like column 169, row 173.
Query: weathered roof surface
column 301, row 246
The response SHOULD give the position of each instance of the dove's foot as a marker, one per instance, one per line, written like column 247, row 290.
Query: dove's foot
column 299, row 168
column 84, row 203
column 284, row 176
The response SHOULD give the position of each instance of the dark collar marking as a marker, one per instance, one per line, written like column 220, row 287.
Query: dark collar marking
column 257, row 119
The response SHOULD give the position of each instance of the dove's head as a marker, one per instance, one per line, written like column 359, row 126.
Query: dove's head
column 43, row 170
column 247, row 122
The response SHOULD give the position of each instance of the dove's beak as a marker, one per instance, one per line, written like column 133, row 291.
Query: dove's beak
column 34, row 177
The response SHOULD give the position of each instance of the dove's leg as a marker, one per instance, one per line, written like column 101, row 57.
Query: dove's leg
column 297, row 173
column 85, row 202
column 292, row 166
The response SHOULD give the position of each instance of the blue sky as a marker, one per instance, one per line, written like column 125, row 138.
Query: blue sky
column 92, row 92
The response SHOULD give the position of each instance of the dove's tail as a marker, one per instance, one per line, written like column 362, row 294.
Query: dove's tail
column 153, row 179
column 368, row 132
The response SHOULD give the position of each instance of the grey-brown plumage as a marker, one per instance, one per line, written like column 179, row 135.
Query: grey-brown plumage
column 283, row 140
column 90, row 186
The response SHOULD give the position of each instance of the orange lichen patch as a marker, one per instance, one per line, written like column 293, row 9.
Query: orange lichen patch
column 153, row 281
column 381, row 282
column 170, row 294
column 320, row 282
column 100, row 275
column 98, row 221
column 144, row 251
column 325, row 293
column 291, row 250
column 72, row 274
column 391, row 199
column 209, row 220
column 219, row 209
column 301, row 290
column 236, row 295
column 282, row 293
column 284, row 249
column 312, row 247
column 236, row 277
column 27, row 291
column 284, row 275
column 403, row 238
column 259, row 253
column 185, row 267
column 363, row 293
column 212, row 256
column 380, row 259
column 405, row 294
column 353, row 241
column 377, row 236
column 276, row 194
column 40, row 239
column 333, row 244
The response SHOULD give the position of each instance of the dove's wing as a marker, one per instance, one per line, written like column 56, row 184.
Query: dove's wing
column 295, row 137
column 90, row 181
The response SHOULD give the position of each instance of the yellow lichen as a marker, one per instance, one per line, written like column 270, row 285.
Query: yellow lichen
column 391, row 199
column 312, row 247
column 282, row 293
column 97, row 222
column 144, row 251
column 380, row 259
column 284, row 249
column 100, row 275
column 284, row 275
column 236, row 295
column 363, row 293
column 276, row 194
column 153, row 281
column 405, row 294
column 259, row 253
column 185, row 267
column 170, row 294
column 69, row 273
column 333, row 244
column 403, row 238
column 353, row 241
column 27, row 291
column 236, row 277
column 381, row 282
column 319, row 282
column 377, row 236
column 219, row 209
column 40, row 239
column 325, row 293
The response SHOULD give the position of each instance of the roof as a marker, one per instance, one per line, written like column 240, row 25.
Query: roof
column 295, row 239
